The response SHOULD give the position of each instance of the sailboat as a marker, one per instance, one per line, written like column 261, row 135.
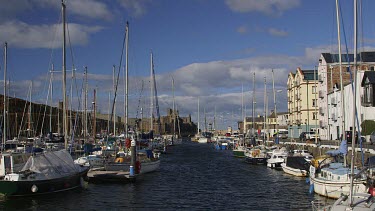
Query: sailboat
column 354, row 200
column 38, row 173
column 146, row 163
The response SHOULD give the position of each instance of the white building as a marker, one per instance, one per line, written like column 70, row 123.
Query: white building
column 336, row 113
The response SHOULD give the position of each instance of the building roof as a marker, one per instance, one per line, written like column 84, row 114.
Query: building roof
column 368, row 78
column 256, row 119
column 362, row 56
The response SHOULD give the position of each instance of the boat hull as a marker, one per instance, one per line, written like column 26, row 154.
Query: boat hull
column 239, row 153
column 274, row 164
column 334, row 189
column 146, row 167
column 256, row 161
column 293, row 171
column 38, row 187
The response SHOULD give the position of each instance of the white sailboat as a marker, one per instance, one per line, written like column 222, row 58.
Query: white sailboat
column 353, row 199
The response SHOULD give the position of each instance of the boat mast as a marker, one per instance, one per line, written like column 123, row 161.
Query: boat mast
column 51, row 110
column 340, row 65
column 65, row 123
column 274, row 102
column 253, row 112
column 173, row 110
column 85, row 107
column 341, row 79
column 198, row 117
column 265, row 109
column 243, row 114
column 114, row 101
column 4, row 96
column 126, row 78
column 151, row 94
column 94, row 116
column 29, row 125
column 354, row 104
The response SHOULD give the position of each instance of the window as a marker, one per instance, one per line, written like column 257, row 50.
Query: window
column 315, row 115
column 314, row 102
column 367, row 98
column 314, row 89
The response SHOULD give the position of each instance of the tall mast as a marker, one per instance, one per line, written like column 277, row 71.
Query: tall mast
column 65, row 123
column 51, row 86
column 274, row 102
column 29, row 126
column 85, row 106
column 354, row 103
column 242, row 110
column 198, row 116
column 5, row 94
column 173, row 110
column 114, row 101
column 126, row 79
column 109, row 112
column 253, row 112
column 151, row 94
column 94, row 115
column 265, row 108
column 340, row 64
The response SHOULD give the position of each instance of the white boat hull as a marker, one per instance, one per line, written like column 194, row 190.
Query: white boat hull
column 293, row 171
column 146, row 167
column 333, row 189
column 203, row 140
column 275, row 163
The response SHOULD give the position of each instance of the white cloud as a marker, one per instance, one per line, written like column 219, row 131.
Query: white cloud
column 217, row 83
column 277, row 32
column 268, row 7
column 22, row 35
column 93, row 9
column 135, row 7
column 242, row 29
column 90, row 8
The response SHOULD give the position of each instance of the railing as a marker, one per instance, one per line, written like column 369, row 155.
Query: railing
column 319, row 205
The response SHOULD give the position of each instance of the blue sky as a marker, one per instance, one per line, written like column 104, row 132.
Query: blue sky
column 210, row 47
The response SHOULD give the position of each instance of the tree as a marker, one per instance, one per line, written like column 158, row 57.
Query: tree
column 367, row 127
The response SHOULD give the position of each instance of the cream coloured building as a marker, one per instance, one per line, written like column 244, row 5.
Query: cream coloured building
column 302, row 101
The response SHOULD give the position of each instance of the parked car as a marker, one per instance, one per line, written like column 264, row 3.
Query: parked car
column 311, row 135
column 283, row 134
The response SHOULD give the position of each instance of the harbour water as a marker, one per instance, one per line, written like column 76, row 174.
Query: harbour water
column 192, row 176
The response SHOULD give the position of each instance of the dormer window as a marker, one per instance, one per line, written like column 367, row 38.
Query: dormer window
column 368, row 82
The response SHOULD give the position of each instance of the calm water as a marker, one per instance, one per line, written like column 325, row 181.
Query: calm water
column 192, row 177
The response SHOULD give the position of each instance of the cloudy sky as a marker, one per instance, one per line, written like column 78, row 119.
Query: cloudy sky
column 211, row 48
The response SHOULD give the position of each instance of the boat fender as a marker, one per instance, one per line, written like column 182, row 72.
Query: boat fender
column 119, row 160
column 137, row 167
column 34, row 189
column 311, row 189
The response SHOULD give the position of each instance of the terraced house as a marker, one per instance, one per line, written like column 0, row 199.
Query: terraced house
column 302, row 101
column 336, row 106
